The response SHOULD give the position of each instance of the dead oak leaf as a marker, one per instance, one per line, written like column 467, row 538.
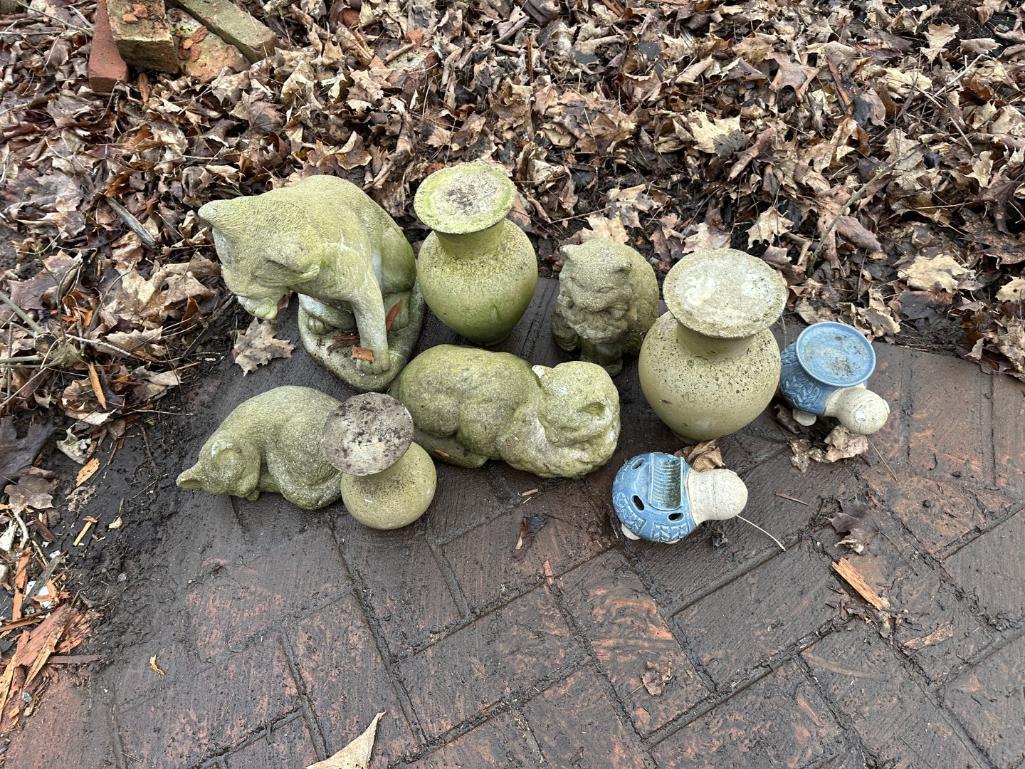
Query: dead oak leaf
column 258, row 346
column 604, row 227
column 769, row 225
column 715, row 136
column 938, row 273
column 31, row 492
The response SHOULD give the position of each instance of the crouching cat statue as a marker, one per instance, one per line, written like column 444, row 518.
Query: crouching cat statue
column 608, row 299
column 354, row 271
column 270, row 442
column 472, row 405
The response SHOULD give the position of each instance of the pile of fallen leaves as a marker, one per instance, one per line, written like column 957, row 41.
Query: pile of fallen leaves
column 873, row 152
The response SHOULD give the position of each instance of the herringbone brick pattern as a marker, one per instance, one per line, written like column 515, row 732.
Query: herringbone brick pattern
column 512, row 630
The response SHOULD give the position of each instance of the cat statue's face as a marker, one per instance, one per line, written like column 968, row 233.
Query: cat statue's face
column 224, row 467
column 595, row 295
column 571, row 429
column 580, row 403
column 263, row 251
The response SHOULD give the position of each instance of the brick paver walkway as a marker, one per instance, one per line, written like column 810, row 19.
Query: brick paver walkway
column 283, row 632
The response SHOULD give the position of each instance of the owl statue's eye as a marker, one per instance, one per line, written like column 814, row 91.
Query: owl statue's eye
column 595, row 409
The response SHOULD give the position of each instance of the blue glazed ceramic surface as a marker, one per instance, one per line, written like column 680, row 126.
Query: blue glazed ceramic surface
column 826, row 357
column 650, row 497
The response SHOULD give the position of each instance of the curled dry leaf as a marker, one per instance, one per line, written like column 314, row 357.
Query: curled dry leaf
column 841, row 443
column 703, row 456
column 657, row 676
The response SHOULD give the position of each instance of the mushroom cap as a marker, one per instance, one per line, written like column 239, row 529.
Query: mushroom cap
column 466, row 197
column 368, row 433
column 724, row 293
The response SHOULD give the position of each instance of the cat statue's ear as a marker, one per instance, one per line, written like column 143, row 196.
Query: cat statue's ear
column 224, row 451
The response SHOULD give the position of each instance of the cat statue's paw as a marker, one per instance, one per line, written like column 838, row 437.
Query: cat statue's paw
column 380, row 363
column 317, row 326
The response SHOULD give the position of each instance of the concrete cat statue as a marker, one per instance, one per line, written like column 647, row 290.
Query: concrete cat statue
column 608, row 299
column 350, row 263
column 269, row 443
column 472, row 405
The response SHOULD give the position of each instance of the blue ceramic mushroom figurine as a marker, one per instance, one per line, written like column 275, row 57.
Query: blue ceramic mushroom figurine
column 660, row 498
column 824, row 374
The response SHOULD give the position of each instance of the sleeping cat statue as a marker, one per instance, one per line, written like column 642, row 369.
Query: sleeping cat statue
column 265, row 445
column 608, row 299
column 324, row 238
column 472, row 405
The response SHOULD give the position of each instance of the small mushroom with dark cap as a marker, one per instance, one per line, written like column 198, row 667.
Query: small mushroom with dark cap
column 387, row 480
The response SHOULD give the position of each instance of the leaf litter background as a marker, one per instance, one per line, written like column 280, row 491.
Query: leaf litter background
column 874, row 153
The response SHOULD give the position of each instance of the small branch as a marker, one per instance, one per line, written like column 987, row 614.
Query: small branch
column 21, row 313
column 133, row 224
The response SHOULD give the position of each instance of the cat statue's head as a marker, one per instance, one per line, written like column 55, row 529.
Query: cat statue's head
column 572, row 428
column 225, row 466
column 267, row 248
column 595, row 290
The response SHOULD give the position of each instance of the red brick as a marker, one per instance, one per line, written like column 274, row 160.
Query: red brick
column 501, row 743
column 510, row 650
column 464, row 500
column 949, row 420
column 894, row 718
column 938, row 513
column 69, row 728
column 134, row 679
column 630, row 640
column 932, row 625
column 404, row 586
column 241, row 601
column 991, row 569
column 760, row 614
column 778, row 721
column 890, row 380
column 144, row 41
column 106, row 67
column 213, row 710
column 286, row 746
column 577, row 725
column 989, row 701
column 1009, row 433
column 348, row 683
column 680, row 573
column 573, row 527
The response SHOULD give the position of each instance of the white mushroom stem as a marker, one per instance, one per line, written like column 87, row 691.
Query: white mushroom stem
column 805, row 418
column 859, row 410
column 627, row 533
column 715, row 495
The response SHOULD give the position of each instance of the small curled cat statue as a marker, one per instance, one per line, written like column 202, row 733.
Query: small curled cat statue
column 471, row 405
